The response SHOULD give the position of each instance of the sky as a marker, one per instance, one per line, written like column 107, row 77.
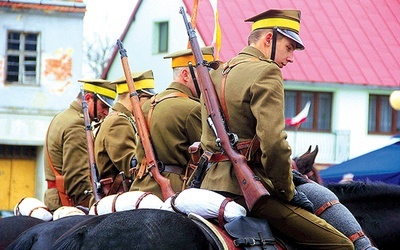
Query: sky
column 106, row 20
column 107, row 17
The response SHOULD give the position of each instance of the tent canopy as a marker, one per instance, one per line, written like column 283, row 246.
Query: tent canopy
column 379, row 165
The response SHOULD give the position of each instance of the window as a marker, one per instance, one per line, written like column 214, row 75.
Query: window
column 382, row 118
column 22, row 58
column 17, row 152
column 161, row 34
column 319, row 115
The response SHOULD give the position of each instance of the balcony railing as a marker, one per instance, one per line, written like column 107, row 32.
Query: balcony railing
column 333, row 148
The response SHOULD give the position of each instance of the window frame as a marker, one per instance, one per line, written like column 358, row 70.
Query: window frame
column 314, row 113
column 23, row 53
column 161, row 37
column 376, row 115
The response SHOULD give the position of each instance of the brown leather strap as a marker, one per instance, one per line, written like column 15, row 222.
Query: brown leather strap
column 45, row 208
column 115, row 186
column 222, row 211
column 95, row 207
column 325, row 206
column 113, row 209
column 218, row 157
column 140, row 199
column 356, row 236
column 51, row 184
column 226, row 69
column 17, row 212
column 62, row 193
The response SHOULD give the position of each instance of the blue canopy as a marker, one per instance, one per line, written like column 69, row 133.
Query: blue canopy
column 379, row 165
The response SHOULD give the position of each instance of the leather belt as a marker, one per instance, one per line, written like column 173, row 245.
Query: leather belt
column 217, row 157
column 176, row 169
column 242, row 147
column 51, row 184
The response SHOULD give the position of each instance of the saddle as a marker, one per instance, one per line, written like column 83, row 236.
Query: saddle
column 242, row 233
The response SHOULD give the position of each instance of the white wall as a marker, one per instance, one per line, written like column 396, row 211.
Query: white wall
column 139, row 49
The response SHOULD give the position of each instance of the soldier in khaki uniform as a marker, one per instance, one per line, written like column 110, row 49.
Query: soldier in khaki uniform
column 175, row 124
column 66, row 153
column 115, row 143
column 254, row 102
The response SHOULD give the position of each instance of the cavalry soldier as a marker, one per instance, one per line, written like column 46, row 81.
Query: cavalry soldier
column 115, row 142
column 250, row 89
column 66, row 157
column 174, row 121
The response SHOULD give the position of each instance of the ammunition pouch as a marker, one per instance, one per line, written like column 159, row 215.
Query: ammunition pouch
column 195, row 152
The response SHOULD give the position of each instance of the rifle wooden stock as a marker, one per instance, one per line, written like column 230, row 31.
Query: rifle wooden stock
column 142, row 128
column 250, row 185
column 94, row 173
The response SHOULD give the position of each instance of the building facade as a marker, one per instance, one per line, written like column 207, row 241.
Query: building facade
column 40, row 63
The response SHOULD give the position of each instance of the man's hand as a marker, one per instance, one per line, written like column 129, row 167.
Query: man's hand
column 301, row 200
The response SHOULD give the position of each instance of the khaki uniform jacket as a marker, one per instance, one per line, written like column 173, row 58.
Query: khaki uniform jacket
column 67, row 145
column 115, row 143
column 175, row 124
column 254, row 97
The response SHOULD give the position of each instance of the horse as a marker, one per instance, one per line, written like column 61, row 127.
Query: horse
column 146, row 228
column 375, row 205
column 135, row 229
column 11, row 227
column 43, row 235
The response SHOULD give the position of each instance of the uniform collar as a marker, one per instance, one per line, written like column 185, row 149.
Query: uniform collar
column 119, row 107
column 181, row 88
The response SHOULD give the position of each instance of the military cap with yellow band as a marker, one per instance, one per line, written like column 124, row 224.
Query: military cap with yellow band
column 144, row 83
column 287, row 23
column 183, row 57
column 103, row 89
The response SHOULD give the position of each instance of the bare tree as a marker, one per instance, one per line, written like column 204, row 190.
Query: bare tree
column 97, row 50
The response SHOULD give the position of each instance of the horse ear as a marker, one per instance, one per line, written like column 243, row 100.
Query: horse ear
column 306, row 153
column 314, row 153
column 309, row 149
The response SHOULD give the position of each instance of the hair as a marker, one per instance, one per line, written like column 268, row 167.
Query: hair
column 256, row 35
column 176, row 72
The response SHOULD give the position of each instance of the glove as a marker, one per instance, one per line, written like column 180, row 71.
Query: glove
column 298, row 178
column 300, row 199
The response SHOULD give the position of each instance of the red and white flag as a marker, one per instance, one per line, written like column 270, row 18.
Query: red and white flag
column 300, row 117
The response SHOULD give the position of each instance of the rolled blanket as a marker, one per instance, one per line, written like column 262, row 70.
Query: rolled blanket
column 125, row 201
column 205, row 203
column 328, row 207
column 33, row 207
column 65, row 211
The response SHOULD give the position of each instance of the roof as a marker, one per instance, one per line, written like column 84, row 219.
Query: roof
column 58, row 6
column 379, row 165
column 354, row 42
column 351, row 42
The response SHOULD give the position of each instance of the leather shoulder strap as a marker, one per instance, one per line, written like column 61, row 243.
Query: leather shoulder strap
column 226, row 69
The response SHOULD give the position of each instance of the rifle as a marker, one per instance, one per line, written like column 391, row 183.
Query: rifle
column 250, row 184
column 143, row 130
column 94, row 172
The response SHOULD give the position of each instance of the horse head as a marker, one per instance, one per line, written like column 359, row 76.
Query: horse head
column 305, row 164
